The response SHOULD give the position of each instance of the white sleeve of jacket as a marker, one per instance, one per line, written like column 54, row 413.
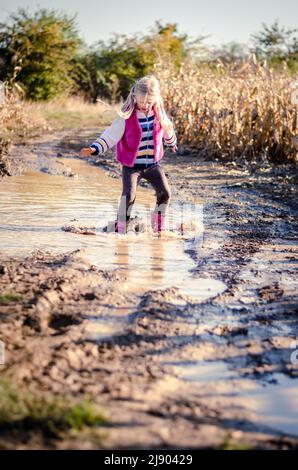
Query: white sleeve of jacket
column 110, row 136
column 170, row 138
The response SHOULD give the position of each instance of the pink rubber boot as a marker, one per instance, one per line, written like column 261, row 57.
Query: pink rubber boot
column 158, row 222
column 120, row 226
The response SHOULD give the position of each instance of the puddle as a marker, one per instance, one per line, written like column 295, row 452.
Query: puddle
column 99, row 329
column 274, row 404
column 34, row 206
column 194, row 371
column 111, row 323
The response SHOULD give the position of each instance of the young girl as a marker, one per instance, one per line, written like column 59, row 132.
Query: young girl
column 139, row 131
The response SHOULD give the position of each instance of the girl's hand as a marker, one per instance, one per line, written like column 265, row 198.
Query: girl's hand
column 86, row 151
column 174, row 149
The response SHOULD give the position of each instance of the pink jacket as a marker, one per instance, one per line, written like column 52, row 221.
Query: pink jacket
column 128, row 145
column 125, row 134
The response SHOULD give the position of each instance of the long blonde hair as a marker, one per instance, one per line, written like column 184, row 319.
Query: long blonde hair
column 147, row 85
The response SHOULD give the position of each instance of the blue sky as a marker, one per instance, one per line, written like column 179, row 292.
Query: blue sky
column 223, row 20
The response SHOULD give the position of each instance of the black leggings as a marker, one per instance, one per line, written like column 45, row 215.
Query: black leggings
column 130, row 177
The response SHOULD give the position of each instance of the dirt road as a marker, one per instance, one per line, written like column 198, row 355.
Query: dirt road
column 178, row 373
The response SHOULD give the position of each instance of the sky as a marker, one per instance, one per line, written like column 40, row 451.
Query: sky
column 223, row 21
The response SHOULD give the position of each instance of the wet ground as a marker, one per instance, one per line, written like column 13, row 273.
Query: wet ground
column 185, row 340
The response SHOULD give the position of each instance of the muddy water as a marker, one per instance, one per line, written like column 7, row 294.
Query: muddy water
column 35, row 206
column 274, row 404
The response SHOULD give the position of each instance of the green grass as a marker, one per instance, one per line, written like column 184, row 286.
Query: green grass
column 26, row 411
column 229, row 444
column 9, row 297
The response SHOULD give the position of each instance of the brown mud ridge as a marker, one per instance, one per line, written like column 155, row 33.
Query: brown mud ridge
column 135, row 373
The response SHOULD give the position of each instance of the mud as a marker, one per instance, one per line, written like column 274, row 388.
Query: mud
column 168, row 370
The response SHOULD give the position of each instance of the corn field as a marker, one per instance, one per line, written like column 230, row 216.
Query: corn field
column 233, row 112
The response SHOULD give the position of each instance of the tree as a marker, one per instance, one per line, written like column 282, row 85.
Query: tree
column 276, row 44
column 110, row 68
column 43, row 46
column 230, row 53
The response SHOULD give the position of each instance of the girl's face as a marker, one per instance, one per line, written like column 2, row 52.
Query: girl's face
column 144, row 102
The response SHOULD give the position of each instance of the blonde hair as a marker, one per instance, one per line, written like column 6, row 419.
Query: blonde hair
column 147, row 85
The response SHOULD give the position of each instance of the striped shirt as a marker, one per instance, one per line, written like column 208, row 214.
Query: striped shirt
column 146, row 149
column 145, row 155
